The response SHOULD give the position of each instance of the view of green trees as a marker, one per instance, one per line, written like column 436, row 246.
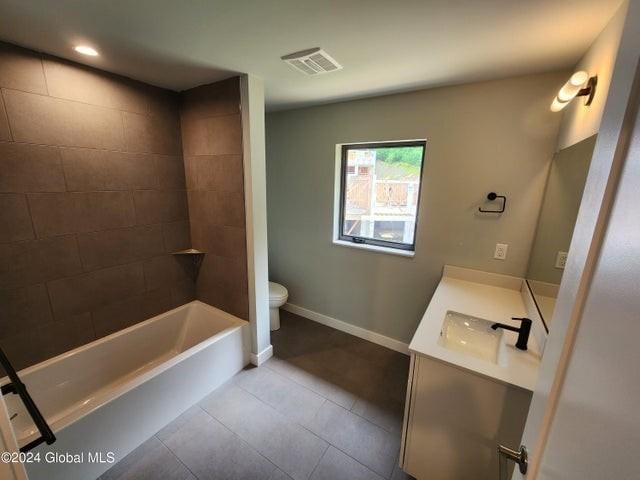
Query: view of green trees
column 396, row 163
column 408, row 155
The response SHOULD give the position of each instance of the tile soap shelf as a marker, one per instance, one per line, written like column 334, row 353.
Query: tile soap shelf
column 196, row 256
column 189, row 251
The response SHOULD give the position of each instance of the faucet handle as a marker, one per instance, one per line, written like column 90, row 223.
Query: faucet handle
column 524, row 332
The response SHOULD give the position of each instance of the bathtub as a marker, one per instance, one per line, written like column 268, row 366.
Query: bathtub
column 111, row 395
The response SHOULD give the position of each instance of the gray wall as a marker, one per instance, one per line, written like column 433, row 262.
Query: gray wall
column 559, row 211
column 490, row 136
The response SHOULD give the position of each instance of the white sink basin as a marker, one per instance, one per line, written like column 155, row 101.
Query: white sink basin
column 472, row 336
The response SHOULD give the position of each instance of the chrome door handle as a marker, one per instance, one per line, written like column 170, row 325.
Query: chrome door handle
column 520, row 457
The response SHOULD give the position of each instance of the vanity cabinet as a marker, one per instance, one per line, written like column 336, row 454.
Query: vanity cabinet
column 455, row 418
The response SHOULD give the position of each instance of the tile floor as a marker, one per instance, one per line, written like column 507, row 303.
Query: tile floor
column 327, row 406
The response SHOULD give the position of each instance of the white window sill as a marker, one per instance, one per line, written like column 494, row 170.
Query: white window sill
column 375, row 248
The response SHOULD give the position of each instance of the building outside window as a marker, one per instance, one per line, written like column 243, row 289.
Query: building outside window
column 379, row 193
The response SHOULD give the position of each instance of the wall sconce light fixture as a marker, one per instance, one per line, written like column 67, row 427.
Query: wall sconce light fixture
column 86, row 50
column 575, row 87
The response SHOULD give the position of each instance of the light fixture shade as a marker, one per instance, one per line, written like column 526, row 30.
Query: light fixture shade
column 569, row 90
column 579, row 78
column 86, row 50
column 557, row 105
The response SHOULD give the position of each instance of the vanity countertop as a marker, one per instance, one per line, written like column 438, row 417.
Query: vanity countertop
column 492, row 297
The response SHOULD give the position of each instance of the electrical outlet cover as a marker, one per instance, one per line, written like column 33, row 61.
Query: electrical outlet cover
column 501, row 251
column 561, row 259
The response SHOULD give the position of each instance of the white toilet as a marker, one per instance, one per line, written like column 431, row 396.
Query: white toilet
column 277, row 297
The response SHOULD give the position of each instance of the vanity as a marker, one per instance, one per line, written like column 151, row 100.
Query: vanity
column 469, row 387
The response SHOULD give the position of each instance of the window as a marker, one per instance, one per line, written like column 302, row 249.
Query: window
column 378, row 194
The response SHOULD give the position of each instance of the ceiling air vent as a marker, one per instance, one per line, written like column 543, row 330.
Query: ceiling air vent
column 312, row 62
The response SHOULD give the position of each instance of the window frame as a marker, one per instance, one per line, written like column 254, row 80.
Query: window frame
column 364, row 242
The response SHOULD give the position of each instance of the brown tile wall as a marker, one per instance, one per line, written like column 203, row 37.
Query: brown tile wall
column 212, row 145
column 92, row 201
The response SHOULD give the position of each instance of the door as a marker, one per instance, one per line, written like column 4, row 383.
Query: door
column 583, row 422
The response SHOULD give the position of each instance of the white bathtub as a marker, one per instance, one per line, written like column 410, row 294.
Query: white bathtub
column 114, row 393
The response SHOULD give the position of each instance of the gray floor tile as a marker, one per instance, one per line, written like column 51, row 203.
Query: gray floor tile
column 312, row 376
column 210, row 450
column 368, row 443
column 398, row 474
column 194, row 413
column 150, row 461
column 288, row 397
column 279, row 475
column 339, row 366
column 292, row 448
column 380, row 408
column 335, row 465
column 299, row 335
column 375, row 354
column 363, row 376
column 396, row 376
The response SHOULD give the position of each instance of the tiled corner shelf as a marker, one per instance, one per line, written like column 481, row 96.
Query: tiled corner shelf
column 189, row 251
column 196, row 257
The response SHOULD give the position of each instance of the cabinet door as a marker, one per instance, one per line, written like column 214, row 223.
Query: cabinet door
column 456, row 419
column 407, row 412
column 9, row 470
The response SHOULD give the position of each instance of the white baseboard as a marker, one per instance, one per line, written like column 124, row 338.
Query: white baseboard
column 262, row 357
column 360, row 332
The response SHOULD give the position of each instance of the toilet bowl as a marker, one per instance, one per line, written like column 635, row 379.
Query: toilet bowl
column 277, row 297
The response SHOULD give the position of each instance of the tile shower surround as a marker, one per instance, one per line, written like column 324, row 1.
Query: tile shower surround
column 212, row 146
column 94, row 198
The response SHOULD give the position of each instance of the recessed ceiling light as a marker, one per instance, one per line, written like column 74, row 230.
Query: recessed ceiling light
column 84, row 50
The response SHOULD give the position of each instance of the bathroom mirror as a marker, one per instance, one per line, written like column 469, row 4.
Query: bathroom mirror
column 558, row 214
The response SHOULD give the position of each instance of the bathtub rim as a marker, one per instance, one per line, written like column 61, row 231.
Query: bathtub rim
column 121, row 389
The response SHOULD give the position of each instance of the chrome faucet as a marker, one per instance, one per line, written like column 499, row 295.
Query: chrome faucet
column 523, row 331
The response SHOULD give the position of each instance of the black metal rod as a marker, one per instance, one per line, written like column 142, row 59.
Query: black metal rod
column 19, row 388
column 491, row 197
column 34, row 443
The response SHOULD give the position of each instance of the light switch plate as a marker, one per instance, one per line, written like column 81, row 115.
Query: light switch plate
column 561, row 260
column 501, row 251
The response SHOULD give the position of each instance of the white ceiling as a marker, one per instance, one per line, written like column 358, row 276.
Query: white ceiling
column 384, row 45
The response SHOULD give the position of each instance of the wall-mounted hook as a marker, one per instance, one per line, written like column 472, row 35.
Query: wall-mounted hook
column 492, row 196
